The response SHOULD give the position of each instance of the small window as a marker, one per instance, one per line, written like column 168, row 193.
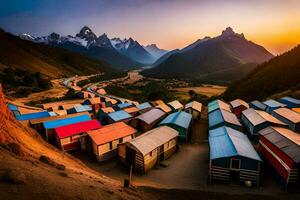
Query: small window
column 121, row 140
column 110, row 145
column 151, row 153
column 235, row 164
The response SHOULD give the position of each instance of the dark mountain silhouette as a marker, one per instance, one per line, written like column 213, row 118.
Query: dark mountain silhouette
column 221, row 59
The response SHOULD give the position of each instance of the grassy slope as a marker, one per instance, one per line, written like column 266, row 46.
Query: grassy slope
column 279, row 74
column 50, row 61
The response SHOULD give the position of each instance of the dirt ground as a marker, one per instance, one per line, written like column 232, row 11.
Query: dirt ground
column 187, row 170
column 207, row 90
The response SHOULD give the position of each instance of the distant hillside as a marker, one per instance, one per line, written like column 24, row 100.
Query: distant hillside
column 50, row 61
column 221, row 59
column 279, row 74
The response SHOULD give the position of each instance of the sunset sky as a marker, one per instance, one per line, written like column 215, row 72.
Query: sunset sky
column 170, row 24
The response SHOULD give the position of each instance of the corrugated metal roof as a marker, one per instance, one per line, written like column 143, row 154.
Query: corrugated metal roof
column 238, row 102
column 273, row 104
column 194, row 105
column 41, row 120
column 297, row 110
column 119, row 115
column 83, row 108
column 35, row 115
column 108, row 110
column 292, row 100
column 284, row 139
column 164, row 108
column 124, row 105
column 151, row 116
column 175, row 105
column 12, row 107
column 218, row 104
column 227, row 142
column 258, row 104
column 65, row 121
column 144, row 106
column 111, row 132
column 73, row 129
column 288, row 114
column 219, row 116
column 181, row 119
column 131, row 110
column 157, row 102
column 258, row 117
column 154, row 138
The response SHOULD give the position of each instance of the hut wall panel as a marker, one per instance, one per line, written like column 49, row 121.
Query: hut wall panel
column 104, row 148
column 168, row 153
column 274, row 162
column 71, row 146
column 115, row 144
column 107, row 155
column 122, row 151
column 127, row 138
column 278, row 152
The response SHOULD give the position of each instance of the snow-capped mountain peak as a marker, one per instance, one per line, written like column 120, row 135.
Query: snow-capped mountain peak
column 86, row 33
column 26, row 36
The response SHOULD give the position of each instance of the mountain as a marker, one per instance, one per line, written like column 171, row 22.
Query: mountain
column 275, row 76
column 164, row 57
column 49, row 60
column 221, row 59
column 133, row 50
column 88, row 44
column 155, row 51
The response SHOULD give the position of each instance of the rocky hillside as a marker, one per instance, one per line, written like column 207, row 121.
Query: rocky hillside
column 30, row 168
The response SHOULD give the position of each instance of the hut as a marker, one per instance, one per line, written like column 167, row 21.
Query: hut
column 103, row 114
column 290, row 102
column 67, row 137
column 101, row 91
column 35, row 115
column 79, row 109
column 61, row 112
column 232, row 157
column 218, row 104
column 118, row 116
column 256, row 120
column 175, row 106
column 85, row 95
column 194, row 108
column 133, row 111
column 297, row 110
column 157, row 102
column 147, row 150
column 273, row 105
column 68, row 106
column 144, row 106
column 109, row 102
column 14, row 109
column 103, row 143
column 238, row 106
column 95, row 103
column 281, row 148
column 291, row 118
column 49, row 126
column 121, row 106
column 147, row 120
column 37, row 124
column 257, row 105
column 221, row 117
column 180, row 121
column 164, row 107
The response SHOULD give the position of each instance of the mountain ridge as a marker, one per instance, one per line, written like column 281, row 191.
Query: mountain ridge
column 235, row 55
